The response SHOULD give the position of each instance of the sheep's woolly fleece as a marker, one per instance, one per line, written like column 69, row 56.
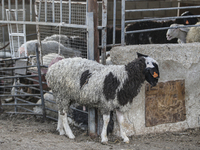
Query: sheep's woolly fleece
column 193, row 34
column 48, row 47
column 95, row 85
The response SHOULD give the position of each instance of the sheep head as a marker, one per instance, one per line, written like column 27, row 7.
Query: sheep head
column 151, row 71
column 175, row 32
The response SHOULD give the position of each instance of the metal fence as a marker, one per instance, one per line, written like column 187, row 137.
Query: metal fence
column 52, row 18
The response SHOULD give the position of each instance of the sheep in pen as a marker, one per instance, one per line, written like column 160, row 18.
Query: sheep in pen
column 106, row 87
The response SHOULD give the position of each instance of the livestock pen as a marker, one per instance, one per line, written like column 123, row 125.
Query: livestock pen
column 78, row 26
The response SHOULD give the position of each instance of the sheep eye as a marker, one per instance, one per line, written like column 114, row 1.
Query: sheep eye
column 147, row 62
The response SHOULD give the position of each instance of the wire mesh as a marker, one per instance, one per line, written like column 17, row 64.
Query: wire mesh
column 75, row 38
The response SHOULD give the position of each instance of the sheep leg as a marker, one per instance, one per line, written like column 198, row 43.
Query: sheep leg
column 106, row 119
column 120, row 118
column 67, row 128
column 60, row 127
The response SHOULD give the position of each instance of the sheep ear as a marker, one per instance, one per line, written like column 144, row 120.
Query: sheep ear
column 141, row 55
column 184, row 29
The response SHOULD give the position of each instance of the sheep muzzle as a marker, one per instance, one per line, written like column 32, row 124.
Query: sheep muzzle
column 152, row 75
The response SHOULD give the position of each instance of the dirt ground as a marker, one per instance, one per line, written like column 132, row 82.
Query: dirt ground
column 25, row 132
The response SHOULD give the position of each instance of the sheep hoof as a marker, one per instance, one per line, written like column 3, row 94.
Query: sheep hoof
column 126, row 141
column 61, row 132
column 104, row 142
column 71, row 137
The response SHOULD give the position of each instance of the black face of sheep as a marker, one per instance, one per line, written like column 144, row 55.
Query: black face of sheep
column 151, row 71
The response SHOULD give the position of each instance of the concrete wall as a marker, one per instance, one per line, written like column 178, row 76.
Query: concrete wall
column 176, row 62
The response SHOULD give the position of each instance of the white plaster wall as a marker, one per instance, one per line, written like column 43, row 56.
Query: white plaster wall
column 176, row 61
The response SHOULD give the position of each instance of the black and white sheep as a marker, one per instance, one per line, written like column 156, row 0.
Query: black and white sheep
column 107, row 87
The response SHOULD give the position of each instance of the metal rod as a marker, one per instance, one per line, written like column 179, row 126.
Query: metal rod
column 29, row 85
column 19, row 104
column 163, row 28
column 164, row 18
column 114, row 20
column 159, row 9
column 61, row 11
column 20, row 95
column 70, row 12
column 40, row 82
column 12, row 68
column 104, row 31
column 13, row 77
column 44, row 24
column 123, row 23
column 45, row 8
column 31, row 10
column 53, row 10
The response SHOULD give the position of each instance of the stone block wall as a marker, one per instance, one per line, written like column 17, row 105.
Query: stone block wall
column 172, row 105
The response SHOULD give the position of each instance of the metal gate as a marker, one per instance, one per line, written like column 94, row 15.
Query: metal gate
column 50, row 21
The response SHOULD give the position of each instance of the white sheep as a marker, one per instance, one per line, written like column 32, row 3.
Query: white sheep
column 107, row 87
column 193, row 34
column 48, row 47
column 177, row 32
column 63, row 39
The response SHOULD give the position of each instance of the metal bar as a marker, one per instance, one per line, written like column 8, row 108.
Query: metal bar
column 26, row 109
column 70, row 12
column 61, row 11
column 45, row 9
column 123, row 23
column 164, row 18
column 16, row 58
column 78, row 110
column 20, row 104
column 40, row 82
column 104, row 31
column 44, row 24
column 114, row 20
column 22, row 113
column 163, row 28
column 91, row 121
column 64, row 2
column 31, row 10
column 13, row 77
column 3, row 18
column 10, row 86
column 24, row 28
column 20, row 95
column 38, row 14
column 159, row 9
column 90, row 40
column 12, row 68
column 53, row 10
column 110, row 45
column 35, row 80
column 37, row 19
column 25, row 101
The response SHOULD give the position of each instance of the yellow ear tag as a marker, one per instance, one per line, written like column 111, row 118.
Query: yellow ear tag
column 155, row 75
column 187, row 22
